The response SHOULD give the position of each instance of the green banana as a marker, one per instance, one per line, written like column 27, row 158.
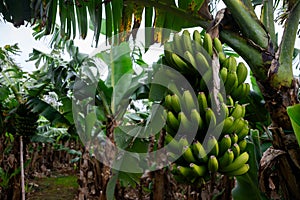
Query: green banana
column 212, row 146
column 237, row 163
column 180, row 64
column 243, row 145
column 237, row 111
column 178, row 48
column 226, row 124
column 200, row 170
column 168, row 102
column 224, row 111
column 230, row 101
column 199, row 152
column 240, row 171
column 202, row 101
column 226, row 159
column 236, row 150
column 241, row 91
column 224, row 144
column 213, row 164
column 230, row 64
column 188, row 154
column 223, row 74
column 241, row 72
column 173, row 145
column 210, row 117
column 196, row 118
column 202, row 63
column 234, row 138
column 172, row 121
column 184, row 122
column 218, row 44
column 237, row 125
column 186, row 172
column 208, row 44
column 191, row 60
column 243, row 133
column 186, row 41
column 222, row 57
column 197, row 37
column 175, row 103
column 188, row 101
column 231, row 81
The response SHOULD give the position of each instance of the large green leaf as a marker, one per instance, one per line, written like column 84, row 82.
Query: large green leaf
column 50, row 113
column 294, row 114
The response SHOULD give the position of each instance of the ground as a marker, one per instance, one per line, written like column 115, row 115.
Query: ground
column 58, row 186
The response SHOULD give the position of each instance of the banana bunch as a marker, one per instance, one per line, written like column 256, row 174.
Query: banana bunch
column 26, row 121
column 192, row 58
column 233, row 76
column 227, row 154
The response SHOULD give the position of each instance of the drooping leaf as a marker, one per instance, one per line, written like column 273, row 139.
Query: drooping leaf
column 50, row 113
column 294, row 114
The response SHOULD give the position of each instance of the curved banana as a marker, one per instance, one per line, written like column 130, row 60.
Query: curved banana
column 243, row 145
column 237, row 111
column 200, row 170
column 213, row 164
column 208, row 44
column 224, row 144
column 196, row 118
column 212, row 146
column 210, row 117
column 236, row 150
column 218, row 44
column 188, row 101
column 231, row 81
column 240, row 171
column 202, row 63
column 180, row 64
column 237, row 163
column 172, row 121
column 197, row 37
column 226, row 159
column 186, row 41
column 223, row 74
column 178, row 48
column 234, row 138
column 175, row 103
column 188, row 56
column 241, row 72
column 199, row 152
column 188, row 154
column 202, row 101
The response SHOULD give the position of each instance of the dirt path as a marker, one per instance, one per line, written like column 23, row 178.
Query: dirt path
column 55, row 187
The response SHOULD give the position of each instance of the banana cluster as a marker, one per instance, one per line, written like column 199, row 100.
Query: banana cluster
column 193, row 58
column 26, row 121
column 227, row 154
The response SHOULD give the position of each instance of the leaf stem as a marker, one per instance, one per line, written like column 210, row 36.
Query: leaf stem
column 284, row 75
column 248, row 22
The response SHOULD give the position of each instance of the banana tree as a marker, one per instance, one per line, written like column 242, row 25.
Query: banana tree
column 251, row 36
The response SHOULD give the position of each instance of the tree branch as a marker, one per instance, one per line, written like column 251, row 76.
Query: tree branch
column 284, row 73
